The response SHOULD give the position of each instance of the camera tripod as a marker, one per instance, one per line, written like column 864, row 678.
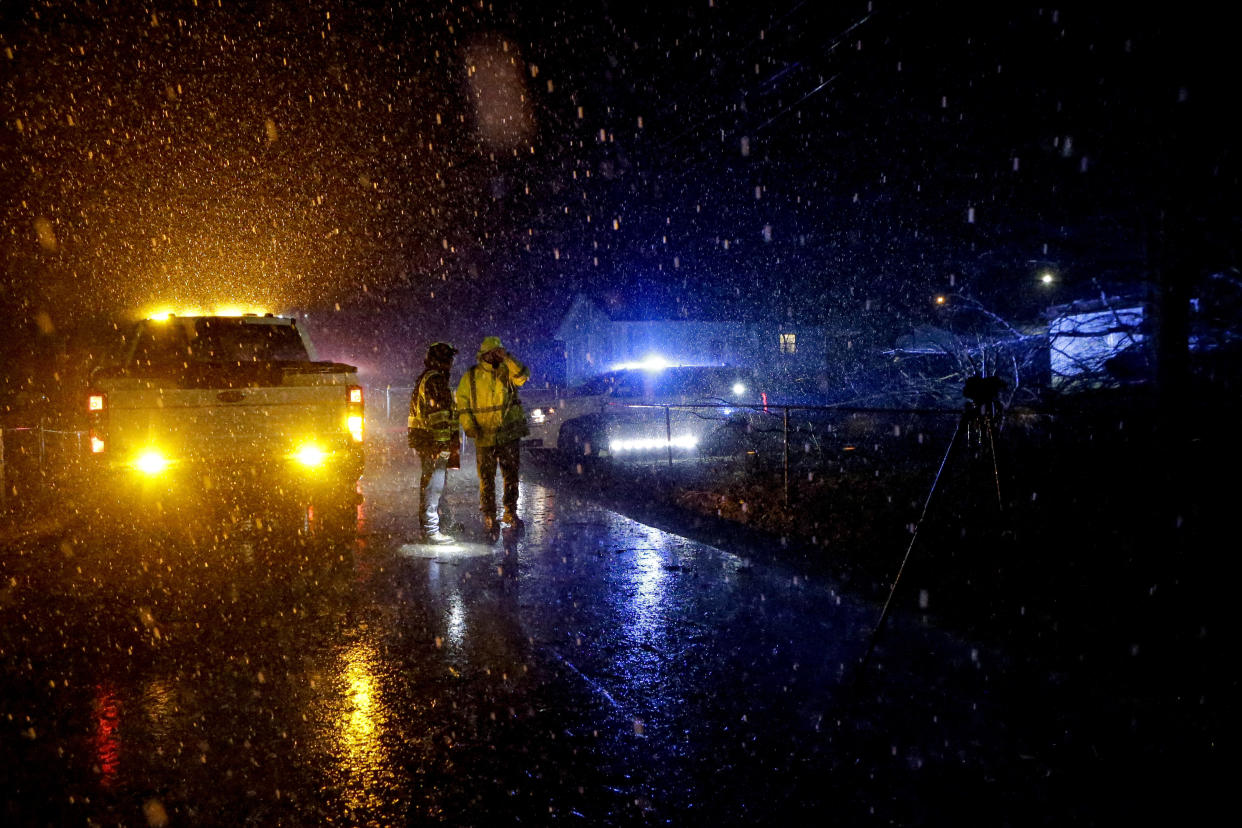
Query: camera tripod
column 976, row 434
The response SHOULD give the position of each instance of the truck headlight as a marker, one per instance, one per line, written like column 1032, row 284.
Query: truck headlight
column 354, row 424
column 152, row 462
column 310, row 455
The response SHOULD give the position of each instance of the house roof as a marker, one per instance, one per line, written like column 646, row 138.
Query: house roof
column 621, row 306
column 1094, row 304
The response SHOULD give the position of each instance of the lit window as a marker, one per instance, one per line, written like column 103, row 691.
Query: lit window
column 789, row 343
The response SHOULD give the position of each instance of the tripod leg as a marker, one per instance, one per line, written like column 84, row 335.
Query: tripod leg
column 962, row 425
column 987, row 426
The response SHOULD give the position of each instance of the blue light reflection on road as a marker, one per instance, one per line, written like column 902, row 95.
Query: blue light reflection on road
column 641, row 607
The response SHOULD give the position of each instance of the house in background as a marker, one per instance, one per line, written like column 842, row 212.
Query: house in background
column 597, row 339
column 1096, row 342
column 1106, row 341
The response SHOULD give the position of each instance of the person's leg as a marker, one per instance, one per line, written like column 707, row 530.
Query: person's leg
column 433, row 489
column 426, row 471
column 485, row 463
column 509, row 456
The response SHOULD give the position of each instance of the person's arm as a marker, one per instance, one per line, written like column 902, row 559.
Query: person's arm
column 465, row 410
column 414, row 434
column 518, row 373
column 441, row 411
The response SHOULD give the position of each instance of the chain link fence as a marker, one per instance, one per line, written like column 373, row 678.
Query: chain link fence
column 790, row 439
column 37, row 456
column 804, row 468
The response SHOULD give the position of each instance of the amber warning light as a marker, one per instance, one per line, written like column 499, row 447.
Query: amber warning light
column 354, row 415
column 96, row 411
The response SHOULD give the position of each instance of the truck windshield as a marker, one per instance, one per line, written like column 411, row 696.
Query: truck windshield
column 161, row 345
column 236, row 340
column 217, row 340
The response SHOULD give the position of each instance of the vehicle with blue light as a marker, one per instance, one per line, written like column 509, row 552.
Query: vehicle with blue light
column 203, row 403
column 648, row 409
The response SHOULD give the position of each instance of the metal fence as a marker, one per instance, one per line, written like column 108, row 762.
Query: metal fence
column 392, row 400
column 36, row 450
column 787, row 439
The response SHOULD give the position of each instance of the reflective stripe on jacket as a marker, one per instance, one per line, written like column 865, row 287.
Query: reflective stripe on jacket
column 431, row 408
column 488, row 404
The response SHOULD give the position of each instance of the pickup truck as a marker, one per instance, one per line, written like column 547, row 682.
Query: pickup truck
column 226, row 404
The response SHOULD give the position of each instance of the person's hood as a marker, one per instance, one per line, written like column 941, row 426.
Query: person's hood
column 439, row 355
column 490, row 343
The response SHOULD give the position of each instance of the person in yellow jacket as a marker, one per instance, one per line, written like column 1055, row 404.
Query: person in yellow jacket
column 433, row 433
column 491, row 414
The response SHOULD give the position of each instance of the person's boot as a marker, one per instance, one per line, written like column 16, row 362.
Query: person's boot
column 491, row 526
column 512, row 521
column 434, row 536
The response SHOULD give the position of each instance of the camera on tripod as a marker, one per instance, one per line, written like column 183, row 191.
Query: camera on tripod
column 984, row 391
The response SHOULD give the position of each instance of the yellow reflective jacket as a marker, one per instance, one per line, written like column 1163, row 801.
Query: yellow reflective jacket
column 432, row 424
column 488, row 405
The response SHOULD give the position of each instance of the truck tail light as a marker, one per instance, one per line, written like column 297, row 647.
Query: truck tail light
column 354, row 412
column 97, row 420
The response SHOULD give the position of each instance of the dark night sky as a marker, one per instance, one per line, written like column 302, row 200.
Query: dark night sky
column 451, row 170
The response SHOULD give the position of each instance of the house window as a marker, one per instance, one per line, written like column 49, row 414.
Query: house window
column 789, row 343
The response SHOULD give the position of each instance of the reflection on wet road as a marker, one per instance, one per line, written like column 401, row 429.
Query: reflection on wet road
column 271, row 672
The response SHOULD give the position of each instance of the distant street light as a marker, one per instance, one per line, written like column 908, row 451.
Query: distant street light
column 1047, row 277
column 941, row 299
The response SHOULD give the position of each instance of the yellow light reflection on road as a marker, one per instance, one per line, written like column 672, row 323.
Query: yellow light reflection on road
column 366, row 770
column 360, row 727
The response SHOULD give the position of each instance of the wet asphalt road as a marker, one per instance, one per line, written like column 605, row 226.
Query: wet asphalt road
column 593, row 670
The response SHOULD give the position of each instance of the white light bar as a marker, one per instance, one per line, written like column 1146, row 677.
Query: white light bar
column 655, row 362
column 684, row 441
